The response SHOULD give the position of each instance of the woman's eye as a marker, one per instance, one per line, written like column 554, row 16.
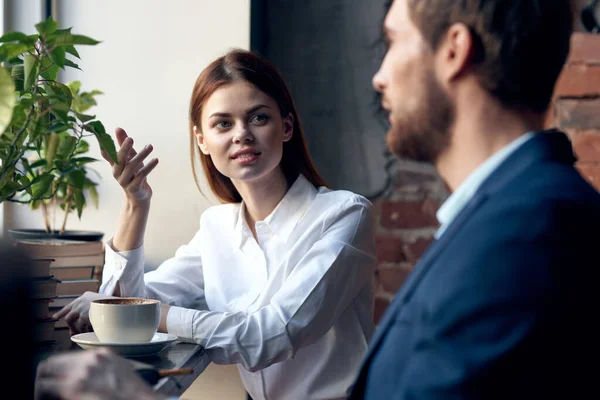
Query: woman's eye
column 259, row 118
column 223, row 124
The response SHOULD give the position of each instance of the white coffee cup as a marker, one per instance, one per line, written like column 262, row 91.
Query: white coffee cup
column 125, row 320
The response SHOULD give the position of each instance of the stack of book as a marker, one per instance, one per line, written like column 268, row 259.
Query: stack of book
column 74, row 268
column 44, row 292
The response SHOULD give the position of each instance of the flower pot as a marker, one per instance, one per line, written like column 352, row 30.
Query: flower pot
column 86, row 236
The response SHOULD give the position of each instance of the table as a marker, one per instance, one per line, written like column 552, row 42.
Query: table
column 177, row 355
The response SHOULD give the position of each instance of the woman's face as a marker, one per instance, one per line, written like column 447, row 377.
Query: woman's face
column 243, row 132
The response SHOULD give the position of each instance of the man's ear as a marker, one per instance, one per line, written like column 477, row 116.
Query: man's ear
column 288, row 127
column 455, row 53
column 200, row 140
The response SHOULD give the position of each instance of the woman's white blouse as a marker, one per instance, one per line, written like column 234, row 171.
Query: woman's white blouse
column 294, row 308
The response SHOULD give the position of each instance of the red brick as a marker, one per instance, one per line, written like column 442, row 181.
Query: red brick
column 578, row 80
column 391, row 278
column 381, row 304
column 585, row 47
column 586, row 144
column 407, row 214
column 415, row 250
column 578, row 113
column 389, row 249
column 591, row 172
column 411, row 178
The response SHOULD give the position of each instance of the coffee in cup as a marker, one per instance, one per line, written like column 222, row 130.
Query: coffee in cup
column 125, row 320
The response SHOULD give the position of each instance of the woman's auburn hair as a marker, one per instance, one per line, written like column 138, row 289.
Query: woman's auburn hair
column 235, row 66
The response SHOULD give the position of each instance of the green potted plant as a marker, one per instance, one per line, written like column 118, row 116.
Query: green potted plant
column 46, row 126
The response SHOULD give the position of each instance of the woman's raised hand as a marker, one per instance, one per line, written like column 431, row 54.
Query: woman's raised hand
column 131, row 172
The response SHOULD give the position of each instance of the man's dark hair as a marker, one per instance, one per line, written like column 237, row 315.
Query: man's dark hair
column 520, row 45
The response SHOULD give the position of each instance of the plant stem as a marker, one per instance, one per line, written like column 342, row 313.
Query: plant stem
column 53, row 208
column 67, row 210
column 46, row 220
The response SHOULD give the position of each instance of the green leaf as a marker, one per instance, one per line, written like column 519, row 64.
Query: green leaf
column 104, row 140
column 96, row 92
column 79, row 202
column 53, row 143
column 77, row 178
column 18, row 75
column 60, row 111
column 8, row 51
column 7, row 99
column 59, row 55
column 25, row 184
column 49, row 70
column 35, row 204
column 30, row 65
column 26, row 100
column 72, row 50
column 94, row 195
column 25, row 163
column 46, row 27
column 39, row 163
column 84, row 160
column 19, row 115
column 95, row 127
column 74, row 86
column 84, row 40
column 69, row 63
column 67, row 146
column 9, row 189
column 59, row 127
column 16, row 37
column 60, row 37
column 82, row 147
column 41, row 185
column 84, row 117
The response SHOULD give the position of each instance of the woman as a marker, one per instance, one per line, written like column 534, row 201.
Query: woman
column 279, row 278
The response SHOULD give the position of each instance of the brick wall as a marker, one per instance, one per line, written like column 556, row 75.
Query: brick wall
column 406, row 214
column 576, row 105
column 406, row 223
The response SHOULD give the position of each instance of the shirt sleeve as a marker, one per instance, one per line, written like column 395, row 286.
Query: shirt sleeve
column 320, row 287
column 177, row 281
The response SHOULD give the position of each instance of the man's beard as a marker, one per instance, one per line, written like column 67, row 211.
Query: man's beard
column 423, row 134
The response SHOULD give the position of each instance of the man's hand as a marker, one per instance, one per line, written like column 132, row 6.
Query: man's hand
column 91, row 375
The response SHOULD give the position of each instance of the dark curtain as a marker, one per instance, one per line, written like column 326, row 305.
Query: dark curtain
column 328, row 52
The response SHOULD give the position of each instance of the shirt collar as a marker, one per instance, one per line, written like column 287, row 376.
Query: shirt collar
column 285, row 216
column 465, row 192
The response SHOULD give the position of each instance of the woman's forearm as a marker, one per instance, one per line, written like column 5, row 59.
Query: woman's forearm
column 131, row 225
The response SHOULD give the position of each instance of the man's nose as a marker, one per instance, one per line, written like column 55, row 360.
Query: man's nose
column 378, row 81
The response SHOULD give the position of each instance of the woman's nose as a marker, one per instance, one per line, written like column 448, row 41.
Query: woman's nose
column 243, row 135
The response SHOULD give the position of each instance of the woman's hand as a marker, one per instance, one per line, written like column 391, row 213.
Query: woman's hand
column 130, row 172
column 77, row 312
column 91, row 374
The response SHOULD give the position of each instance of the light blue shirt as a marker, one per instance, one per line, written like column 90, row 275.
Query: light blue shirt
column 465, row 192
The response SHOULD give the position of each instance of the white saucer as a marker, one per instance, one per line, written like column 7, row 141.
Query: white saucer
column 159, row 342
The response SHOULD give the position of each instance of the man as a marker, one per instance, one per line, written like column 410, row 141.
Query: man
column 501, row 305
column 18, row 314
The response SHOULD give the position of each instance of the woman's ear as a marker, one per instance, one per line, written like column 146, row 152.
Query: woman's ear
column 288, row 127
column 200, row 140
